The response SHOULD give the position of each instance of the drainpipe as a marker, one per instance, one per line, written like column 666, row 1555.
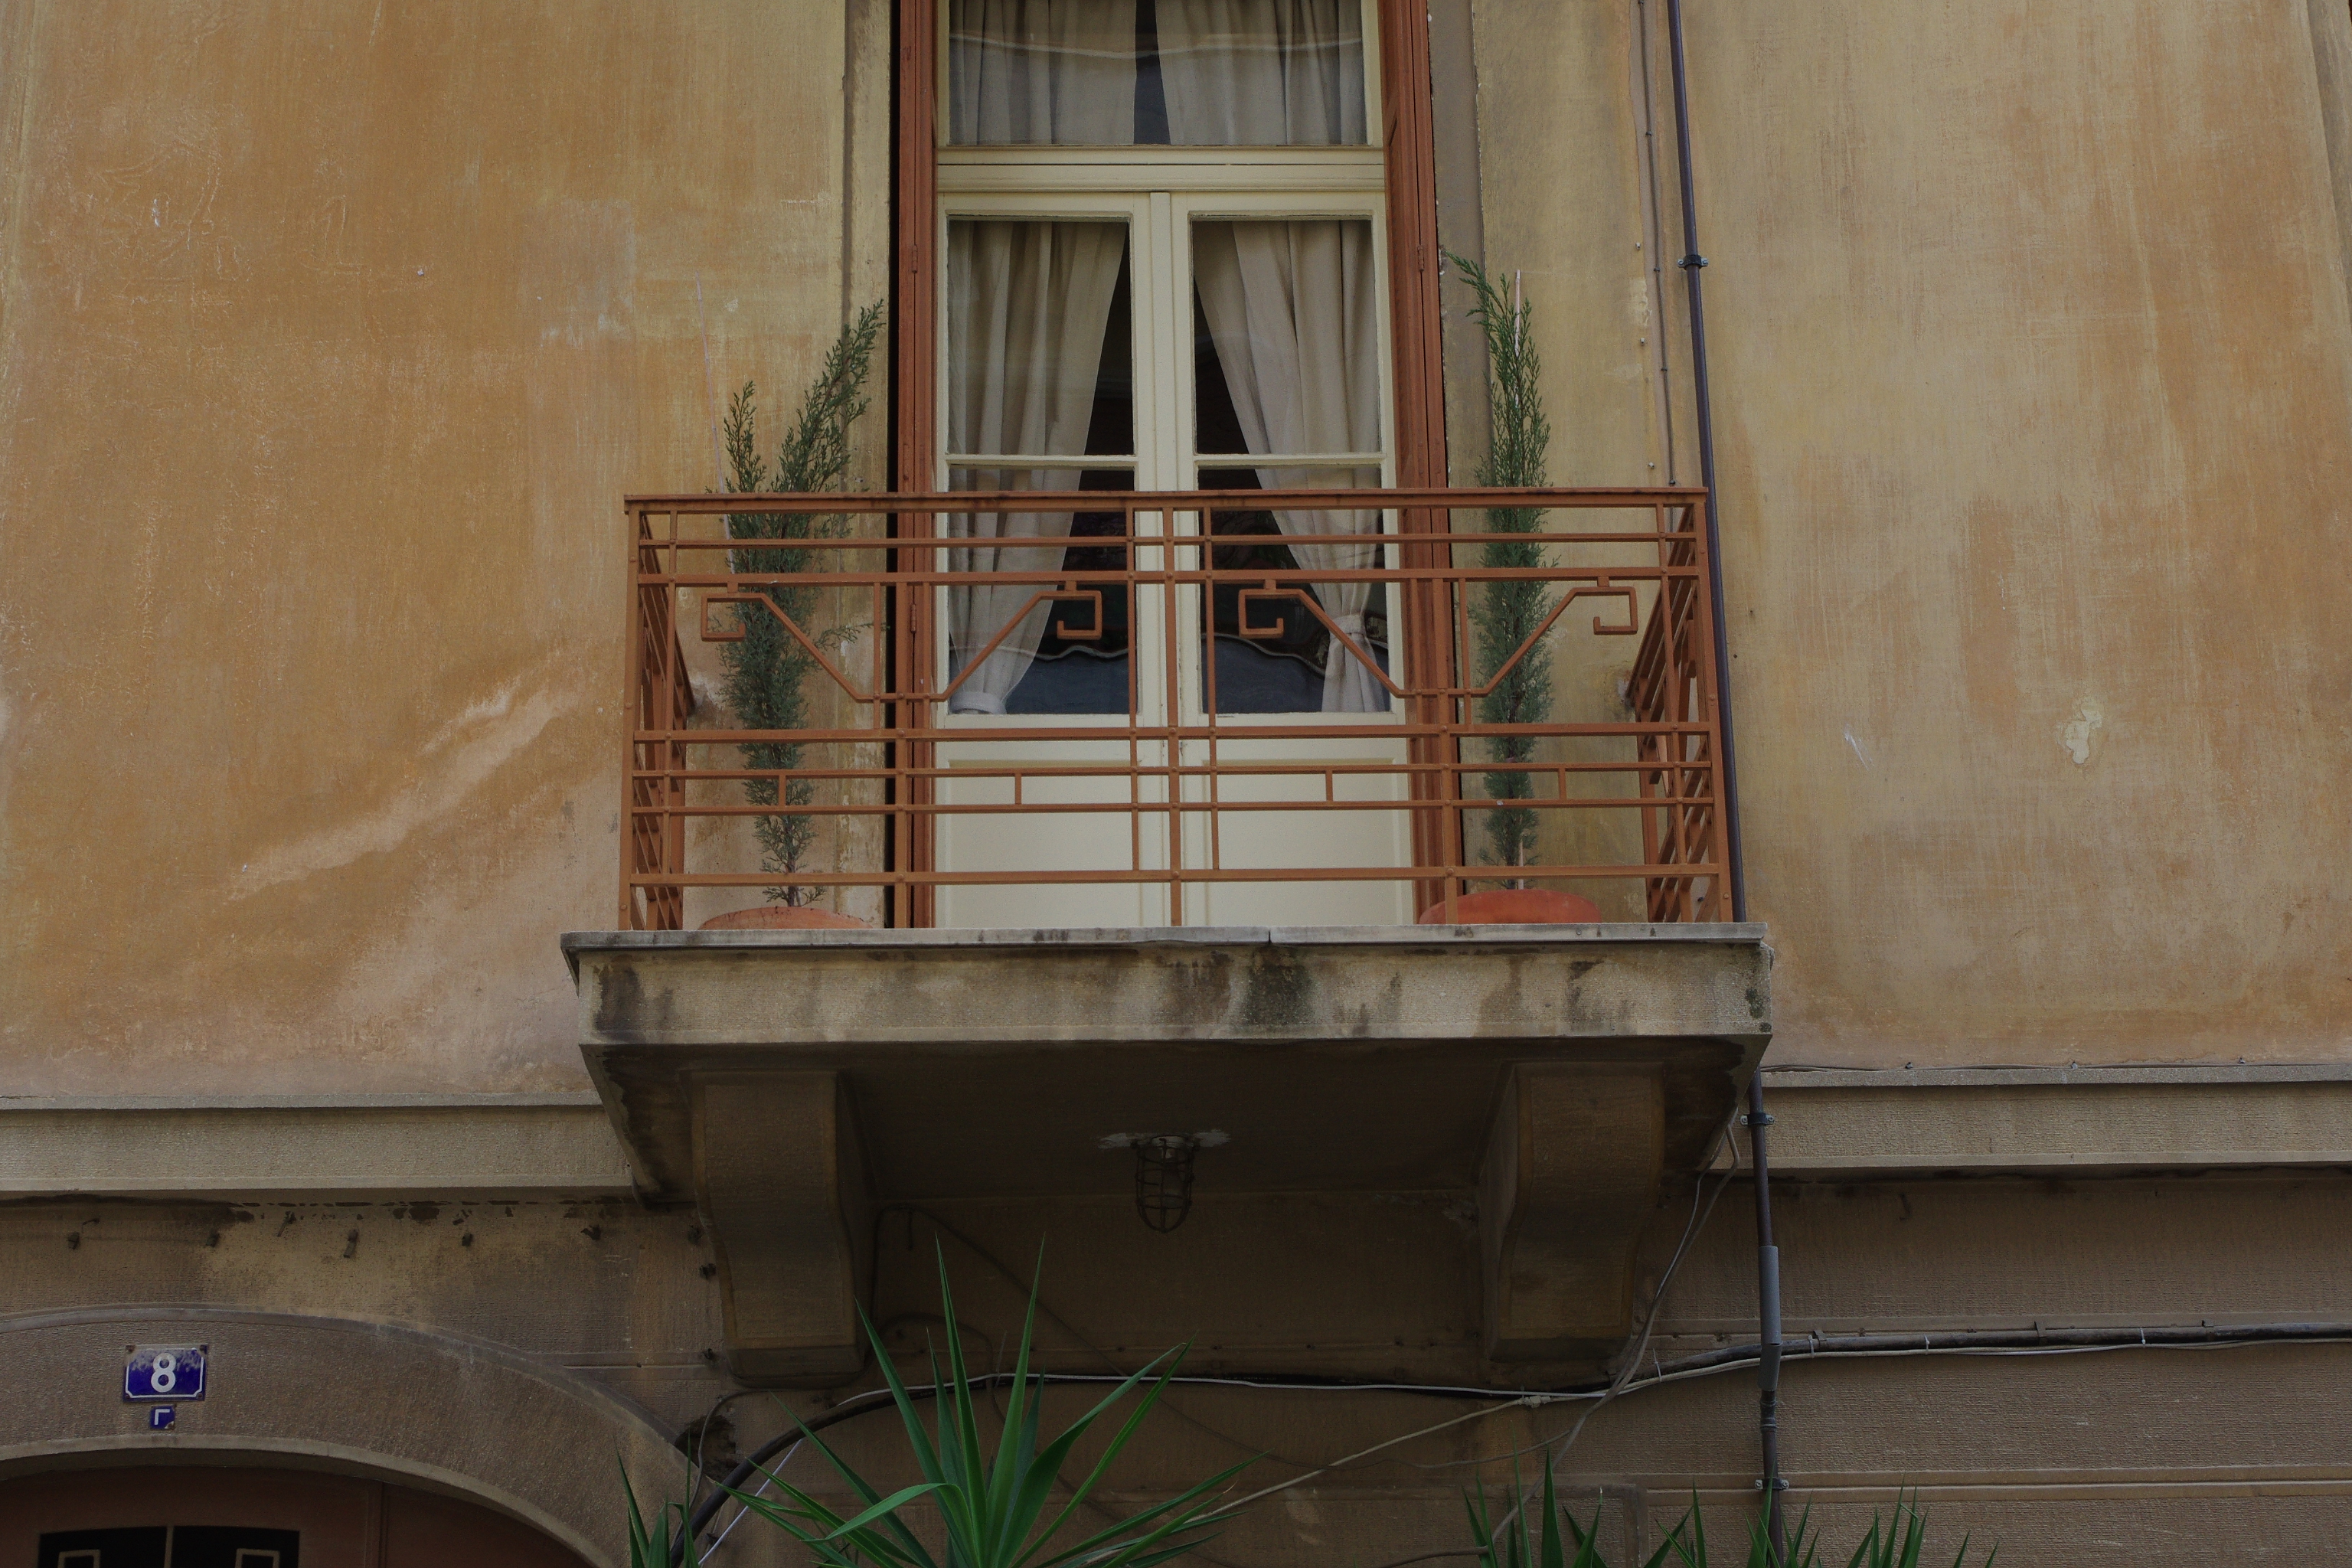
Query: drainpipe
column 1767, row 1256
column 1691, row 263
column 1768, row 1323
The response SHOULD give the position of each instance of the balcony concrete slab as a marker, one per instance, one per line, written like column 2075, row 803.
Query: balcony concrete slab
column 787, row 1082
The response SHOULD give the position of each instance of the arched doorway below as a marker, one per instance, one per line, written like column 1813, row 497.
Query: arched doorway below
column 206, row 1516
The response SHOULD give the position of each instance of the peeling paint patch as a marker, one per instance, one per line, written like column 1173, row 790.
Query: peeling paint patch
column 2075, row 735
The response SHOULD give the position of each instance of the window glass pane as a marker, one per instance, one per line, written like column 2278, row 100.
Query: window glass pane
column 1041, row 72
column 1274, row 653
column 1262, row 73
column 1040, row 349
column 1200, row 73
column 1286, row 337
column 1066, row 654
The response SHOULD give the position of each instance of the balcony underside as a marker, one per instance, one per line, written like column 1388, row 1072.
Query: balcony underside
column 1559, row 1079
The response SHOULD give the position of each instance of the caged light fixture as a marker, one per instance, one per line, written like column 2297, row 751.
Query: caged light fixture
column 1163, row 1179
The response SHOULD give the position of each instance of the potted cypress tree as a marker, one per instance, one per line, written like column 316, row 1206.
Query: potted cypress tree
column 1506, row 616
column 767, row 668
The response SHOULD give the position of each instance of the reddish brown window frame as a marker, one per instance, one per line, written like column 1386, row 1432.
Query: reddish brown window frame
column 1413, row 259
column 1412, row 227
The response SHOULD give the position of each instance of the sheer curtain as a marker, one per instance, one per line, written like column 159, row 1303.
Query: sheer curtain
column 1250, row 73
column 1291, row 306
column 1027, row 304
column 1292, row 309
column 1262, row 73
column 1053, row 71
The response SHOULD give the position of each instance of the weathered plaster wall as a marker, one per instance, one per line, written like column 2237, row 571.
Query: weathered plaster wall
column 2135, row 1456
column 600, row 1286
column 332, row 335
column 329, row 335
column 2030, row 338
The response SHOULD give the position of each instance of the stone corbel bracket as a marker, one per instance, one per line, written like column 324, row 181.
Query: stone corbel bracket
column 780, row 1176
column 1570, row 1178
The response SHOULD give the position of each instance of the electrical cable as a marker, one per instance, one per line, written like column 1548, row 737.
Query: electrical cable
column 1342, row 1464
column 1699, row 1215
column 1978, row 1342
column 1691, row 1227
column 2036, row 1341
column 703, row 1513
column 1975, row 1342
column 767, row 1479
column 1767, row 1257
column 701, row 1430
column 1014, row 1279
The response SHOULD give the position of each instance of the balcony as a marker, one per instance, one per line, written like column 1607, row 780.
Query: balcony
column 1497, row 741
column 1171, row 937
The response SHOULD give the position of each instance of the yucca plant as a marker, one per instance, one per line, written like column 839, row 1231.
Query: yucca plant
column 1508, row 613
column 1688, row 1542
column 1904, row 1538
column 1555, row 1539
column 1896, row 1544
column 1510, row 1543
column 993, row 1512
column 767, row 668
column 651, row 1548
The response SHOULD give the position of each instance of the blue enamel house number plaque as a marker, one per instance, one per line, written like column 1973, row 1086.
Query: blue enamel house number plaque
column 175, row 1373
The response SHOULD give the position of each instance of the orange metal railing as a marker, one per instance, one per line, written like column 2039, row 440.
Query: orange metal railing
column 1623, row 767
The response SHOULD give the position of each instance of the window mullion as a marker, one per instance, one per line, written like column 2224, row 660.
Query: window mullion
column 1150, row 253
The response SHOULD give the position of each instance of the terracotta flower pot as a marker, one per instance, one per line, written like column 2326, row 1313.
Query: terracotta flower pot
column 785, row 917
column 1516, row 907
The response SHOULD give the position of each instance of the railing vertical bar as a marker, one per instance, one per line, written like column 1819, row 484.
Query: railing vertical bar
column 632, row 715
column 1177, row 716
column 1454, row 843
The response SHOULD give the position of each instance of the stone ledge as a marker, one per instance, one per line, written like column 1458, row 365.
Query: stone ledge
column 1833, row 1124
column 2076, row 1121
column 1748, row 933
column 409, row 1146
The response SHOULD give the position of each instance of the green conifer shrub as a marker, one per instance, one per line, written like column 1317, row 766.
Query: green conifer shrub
column 1507, row 614
column 768, row 668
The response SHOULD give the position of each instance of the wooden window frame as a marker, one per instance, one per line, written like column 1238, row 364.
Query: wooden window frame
column 1417, row 392
column 1411, row 164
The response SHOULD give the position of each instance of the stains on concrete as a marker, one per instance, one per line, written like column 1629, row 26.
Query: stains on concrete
column 623, row 1010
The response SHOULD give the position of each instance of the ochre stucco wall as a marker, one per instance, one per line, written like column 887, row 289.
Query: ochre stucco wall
column 2030, row 339
column 333, row 334
column 330, row 334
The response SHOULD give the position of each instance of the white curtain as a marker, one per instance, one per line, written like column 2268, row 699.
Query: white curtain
column 1027, row 306
column 1292, row 308
column 1050, row 71
column 1291, row 305
column 1262, row 73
